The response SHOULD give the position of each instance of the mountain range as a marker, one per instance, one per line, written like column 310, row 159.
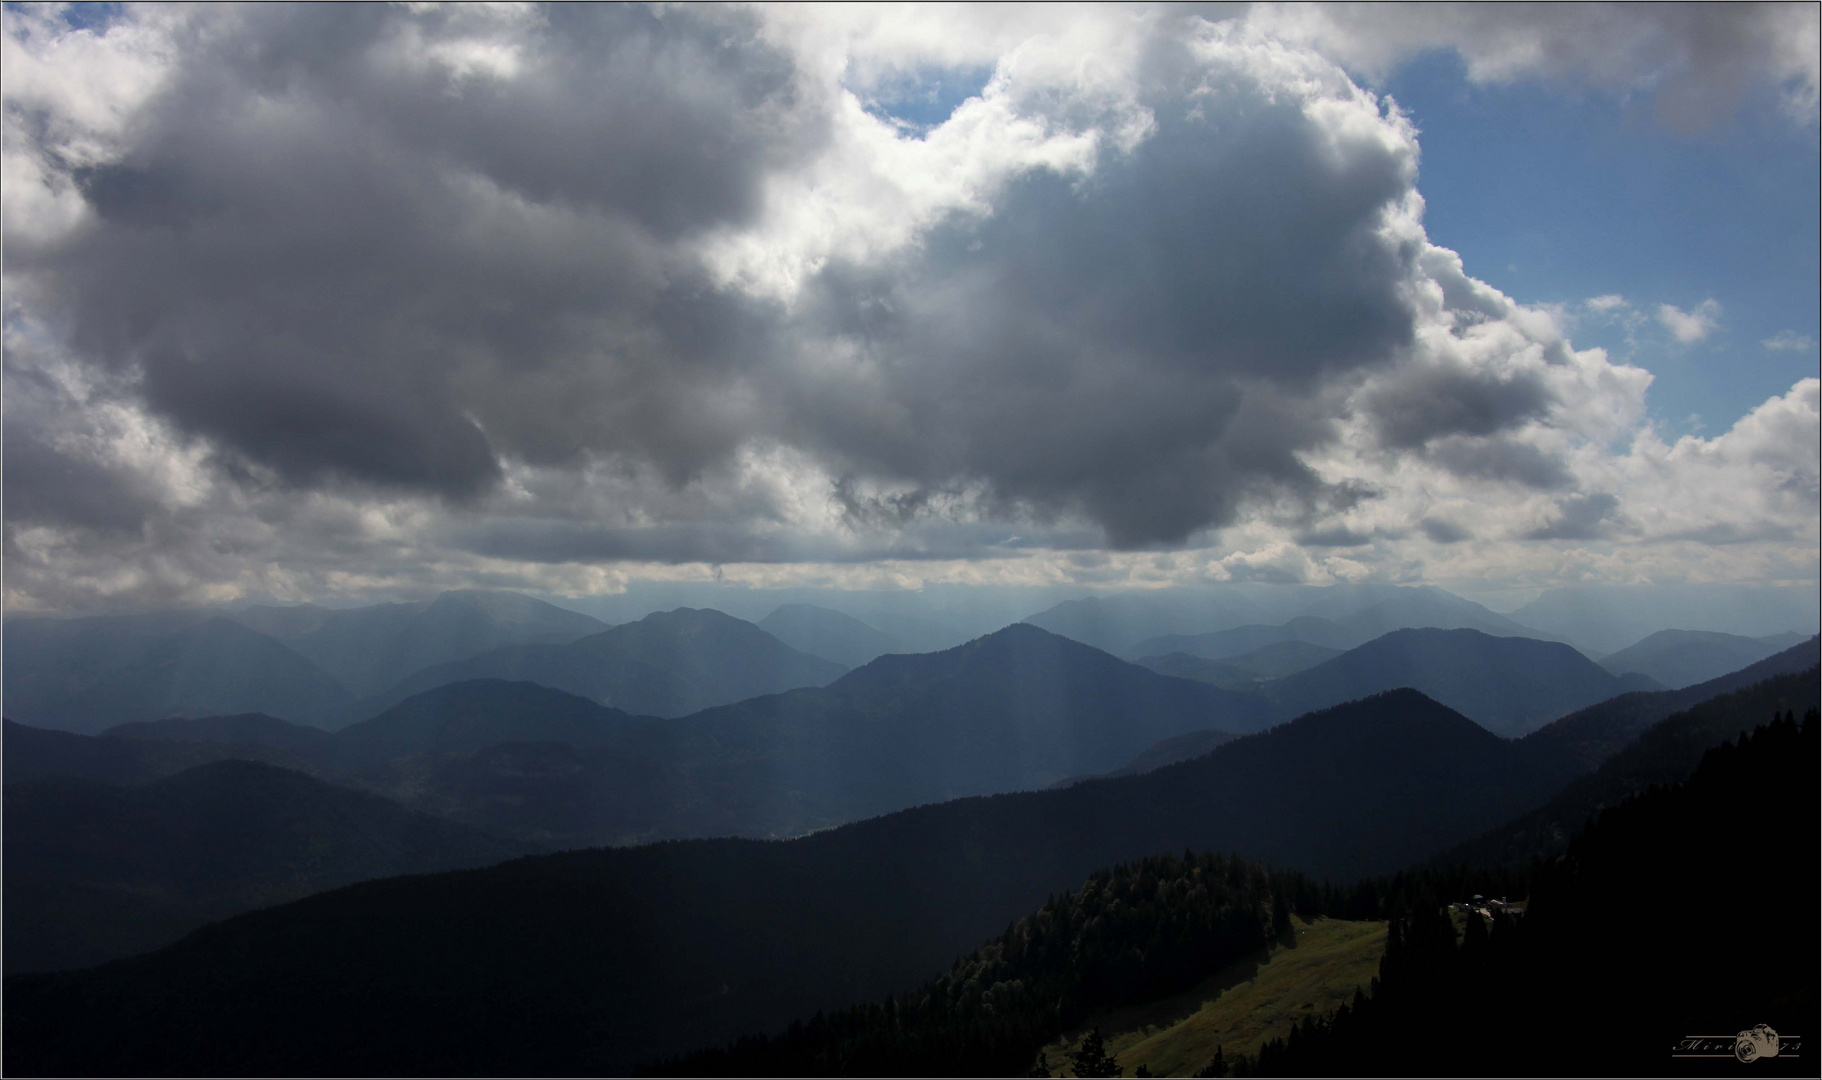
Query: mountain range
column 1511, row 685
column 1606, row 619
column 304, row 663
column 1592, row 735
column 1247, row 670
column 87, row 675
column 1019, row 709
column 830, row 634
column 1679, row 658
column 666, row 664
column 1353, row 790
column 368, row 649
column 645, row 952
column 1347, row 629
column 1116, row 623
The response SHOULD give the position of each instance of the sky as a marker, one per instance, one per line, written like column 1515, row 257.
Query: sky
column 358, row 302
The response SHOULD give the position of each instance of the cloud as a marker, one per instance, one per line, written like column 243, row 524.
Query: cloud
column 1697, row 62
column 1691, row 326
column 1443, row 532
column 1610, row 302
column 1789, row 341
column 355, row 301
column 1578, row 517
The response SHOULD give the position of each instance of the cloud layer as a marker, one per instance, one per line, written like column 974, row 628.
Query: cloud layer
column 321, row 299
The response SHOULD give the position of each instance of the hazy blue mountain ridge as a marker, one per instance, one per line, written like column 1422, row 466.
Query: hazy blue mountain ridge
column 87, row 675
column 666, row 664
column 1409, row 609
column 831, row 635
column 1512, row 685
column 1585, row 738
column 1679, row 658
column 1245, row 671
column 1608, row 618
column 303, row 663
column 371, row 648
column 1115, row 623
column 1014, row 710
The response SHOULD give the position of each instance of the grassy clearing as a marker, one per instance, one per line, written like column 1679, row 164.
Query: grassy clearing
column 1242, row 1006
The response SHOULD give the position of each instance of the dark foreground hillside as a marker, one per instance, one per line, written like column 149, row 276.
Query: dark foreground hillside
column 1689, row 911
column 93, row 872
column 597, row 961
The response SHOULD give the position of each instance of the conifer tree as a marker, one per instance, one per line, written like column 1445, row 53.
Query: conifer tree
column 1217, row 1065
column 1093, row 1059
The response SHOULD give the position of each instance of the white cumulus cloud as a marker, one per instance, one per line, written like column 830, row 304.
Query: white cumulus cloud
column 1693, row 325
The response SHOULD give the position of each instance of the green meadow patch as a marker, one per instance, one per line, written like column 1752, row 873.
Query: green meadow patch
column 1242, row 1006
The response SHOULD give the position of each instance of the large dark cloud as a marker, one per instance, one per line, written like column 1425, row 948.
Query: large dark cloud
column 336, row 262
column 1501, row 459
column 341, row 258
column 47, row 487
column 1427, row 403
column 1141, row 348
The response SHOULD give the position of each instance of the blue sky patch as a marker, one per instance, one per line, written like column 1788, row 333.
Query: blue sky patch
column 924, row 99
column 1556, row 197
